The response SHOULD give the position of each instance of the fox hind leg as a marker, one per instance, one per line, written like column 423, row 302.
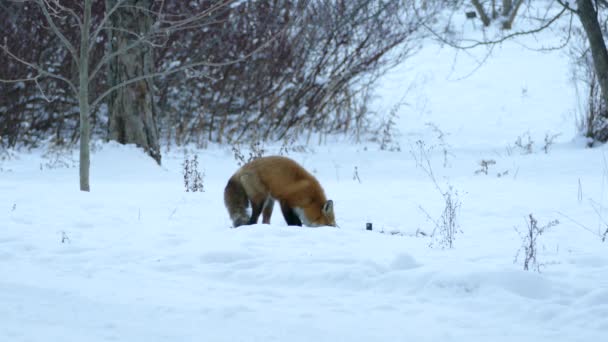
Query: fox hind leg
column 256, row 210
column 257, row 194
column 267, row 211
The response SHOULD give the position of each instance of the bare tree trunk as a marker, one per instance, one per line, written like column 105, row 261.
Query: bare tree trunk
column 511, row 13
column 83, row 98
column 588, row 16
column 132, row 113
column 482, row 12
column 506, row 7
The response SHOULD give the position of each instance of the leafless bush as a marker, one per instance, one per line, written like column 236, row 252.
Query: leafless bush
column 529, row 242
column 256, row 150
column 290, row 144
column 387, row 140
column 549, row 141
column 65, row 238
column 388, row 132
column 502, row 174
column 525, row 143
column 485, row 165
column 193, row 178
column 312, row 77
column 356, row 175
column 314, row 63
column 5, row 154
column 447, row 226
column 58, row 157
column 445, row 147
column 238, row 155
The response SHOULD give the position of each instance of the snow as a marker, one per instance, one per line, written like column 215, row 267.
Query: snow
column 140, row 259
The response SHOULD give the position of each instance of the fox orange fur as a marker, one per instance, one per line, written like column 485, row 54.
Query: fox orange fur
column 262, row 181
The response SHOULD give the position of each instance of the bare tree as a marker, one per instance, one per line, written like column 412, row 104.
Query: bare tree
column 71, row 22
column 591, row 14
column 32, row 112
column 507, row 15
column 230, row 69
column 315, row 76
column 132, row 111
column 54, row 12
column 485, row 19
column 589, row 17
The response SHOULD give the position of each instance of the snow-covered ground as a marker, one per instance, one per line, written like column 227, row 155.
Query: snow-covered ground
column 139, row 259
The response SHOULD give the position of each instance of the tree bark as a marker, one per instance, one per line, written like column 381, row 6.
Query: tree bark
column 132, row 113
column 589, row 19
column 83, row 98
column 482, row 12
column 506, row 7
column 507, row 24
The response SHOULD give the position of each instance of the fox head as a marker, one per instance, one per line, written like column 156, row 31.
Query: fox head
column 314, row 215
column 327, row 214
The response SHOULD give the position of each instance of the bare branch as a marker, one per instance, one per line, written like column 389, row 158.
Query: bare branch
column 140, row 38
column 188, row 23
column 204, row 14
column 109, row 56
column 477, row 43
column 36, row 67
column 103, row 23
column 182, row 68
column 56, row 30
column 60, row 8
column 560, row 46
column 41, row 91
column 18, row 80
column 567, row 6
column 580, row 224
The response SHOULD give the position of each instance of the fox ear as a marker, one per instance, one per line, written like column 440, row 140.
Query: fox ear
column 328, row 207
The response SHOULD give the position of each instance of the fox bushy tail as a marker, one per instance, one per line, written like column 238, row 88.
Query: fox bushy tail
column 236, row 201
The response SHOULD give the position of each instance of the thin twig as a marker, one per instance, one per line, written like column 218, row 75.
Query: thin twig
column 477, row 43
column 58, row 32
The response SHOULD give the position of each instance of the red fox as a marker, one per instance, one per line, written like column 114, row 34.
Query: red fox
column 262, row 181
